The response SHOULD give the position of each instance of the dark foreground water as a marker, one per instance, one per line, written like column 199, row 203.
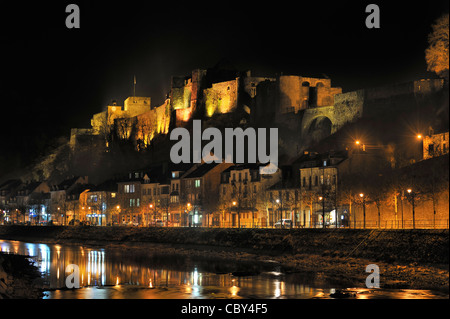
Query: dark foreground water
column 120, row 273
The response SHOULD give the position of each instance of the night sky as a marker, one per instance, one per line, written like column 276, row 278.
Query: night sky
column 56, row 78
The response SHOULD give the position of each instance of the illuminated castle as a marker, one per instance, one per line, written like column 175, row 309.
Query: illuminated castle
column 204, row 94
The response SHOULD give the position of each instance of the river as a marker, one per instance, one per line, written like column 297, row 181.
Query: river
column 123, row 273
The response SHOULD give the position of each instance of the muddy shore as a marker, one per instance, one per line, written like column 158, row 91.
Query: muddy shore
column 414, row 259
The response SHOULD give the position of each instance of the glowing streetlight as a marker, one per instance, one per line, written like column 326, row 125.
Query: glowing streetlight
column 411, row 193
column 323, row 210
column 357, row 142
column 364, row 209
column 419, row 136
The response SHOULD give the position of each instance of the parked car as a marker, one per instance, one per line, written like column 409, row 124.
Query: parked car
column 74, row 222
column 283, row 223
column 157, row 223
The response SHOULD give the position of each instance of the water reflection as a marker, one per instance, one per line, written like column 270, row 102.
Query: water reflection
column 131, row 274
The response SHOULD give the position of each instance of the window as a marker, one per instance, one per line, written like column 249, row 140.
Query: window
column 113, row 195
column 137, row 202
column 132, row 202
column 197, row 183
column 304, row 181
column 129, row 188
column 321, row 180
column 316, row 182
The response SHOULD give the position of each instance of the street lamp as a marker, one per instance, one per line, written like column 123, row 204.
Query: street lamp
column 323, row 210
column 411, row 193
column 364, row 209
column 420, row 138
column 188, row 211
column 358, row 142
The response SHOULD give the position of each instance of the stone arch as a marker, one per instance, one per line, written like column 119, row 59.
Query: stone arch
column 319, row 128
column 319, row 84
column 306, row 83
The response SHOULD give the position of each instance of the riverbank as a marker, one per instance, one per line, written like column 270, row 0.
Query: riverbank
column 19, row 278
column 415, row 259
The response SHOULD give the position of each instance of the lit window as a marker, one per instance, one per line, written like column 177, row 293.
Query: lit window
column 129, row 188
column 197, row 183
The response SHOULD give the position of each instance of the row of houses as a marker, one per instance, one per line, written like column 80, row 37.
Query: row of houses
column 216, row 194
column 345, row 188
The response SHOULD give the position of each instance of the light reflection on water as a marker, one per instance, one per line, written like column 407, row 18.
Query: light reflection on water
column 125, row 274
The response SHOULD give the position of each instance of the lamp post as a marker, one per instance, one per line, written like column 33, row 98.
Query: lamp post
column 411, row 193
column 323, row 211
column 278, row 210
column 364, row 209
column 358, row 142
column 188, row 211
column 234, row 203
column 150, row 206
column 420, row 138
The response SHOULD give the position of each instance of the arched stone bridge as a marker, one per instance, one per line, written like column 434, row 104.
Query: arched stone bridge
column 347, row 108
